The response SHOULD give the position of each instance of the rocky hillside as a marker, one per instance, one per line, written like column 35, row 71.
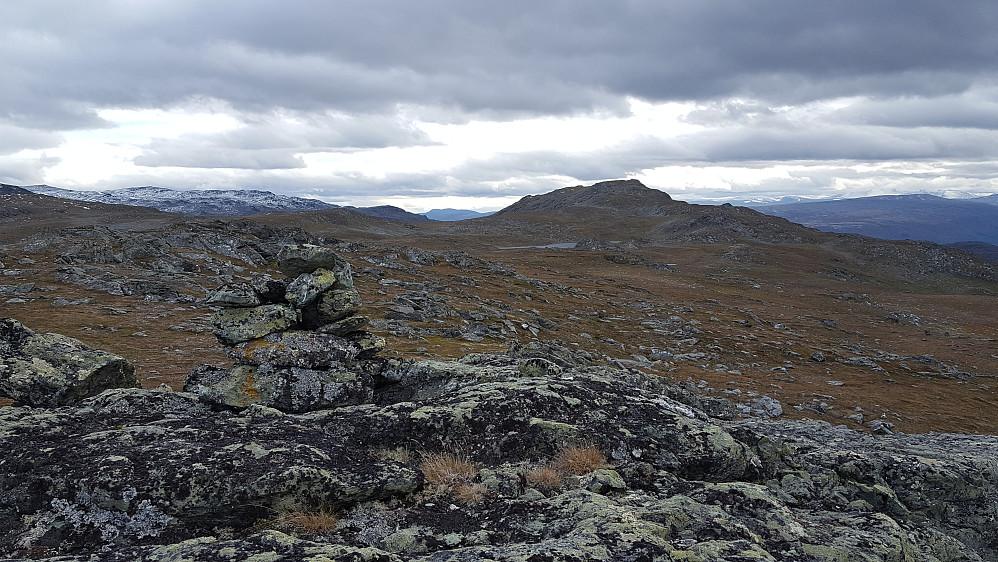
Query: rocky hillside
column 315, row 443
column 628, row 197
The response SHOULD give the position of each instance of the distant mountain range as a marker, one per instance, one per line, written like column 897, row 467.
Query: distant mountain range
column 899, row 217
column 214, row 202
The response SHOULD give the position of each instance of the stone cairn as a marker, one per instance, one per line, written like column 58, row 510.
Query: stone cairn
column 298, row 342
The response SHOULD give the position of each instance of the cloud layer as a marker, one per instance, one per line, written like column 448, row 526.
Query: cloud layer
column 349, row 100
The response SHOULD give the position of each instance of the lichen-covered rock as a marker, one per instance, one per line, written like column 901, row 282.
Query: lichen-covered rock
column 344, row 327
column 296, row 348
column 295, row 260
column 331, row 306
column 236, row 325
column 308, row 286
column 234, row 295
column 158, row 476
column 80, row 479
column 273, row 546
column 288, row 389
column 270, row 290
column 55, row 370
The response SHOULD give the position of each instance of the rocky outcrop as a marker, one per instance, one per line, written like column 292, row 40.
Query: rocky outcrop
column 146, row 475
column 297, row 341
column 54, row 370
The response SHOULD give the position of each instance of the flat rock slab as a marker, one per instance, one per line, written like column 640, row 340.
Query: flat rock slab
column 53, row 370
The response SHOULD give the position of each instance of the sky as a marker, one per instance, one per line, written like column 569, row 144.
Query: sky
column 472, row 104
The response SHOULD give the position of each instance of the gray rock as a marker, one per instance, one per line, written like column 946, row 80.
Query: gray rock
column 295, row 260
column 54, row 370
column 288, row 389
column 764, row 406
column 234, row 295
column 235, row 325
column 271, row 290
column 308, row 286
column 344, row 327
column 331, row 306
column 296, row 349
column 683, row 486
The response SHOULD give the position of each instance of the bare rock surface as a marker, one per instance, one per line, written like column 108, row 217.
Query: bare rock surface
column 55, row 370
column 146, row 475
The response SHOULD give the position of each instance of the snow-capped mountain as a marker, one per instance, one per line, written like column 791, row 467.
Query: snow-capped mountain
column 213, row 202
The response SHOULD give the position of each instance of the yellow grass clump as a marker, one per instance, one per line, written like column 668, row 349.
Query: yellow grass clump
column 310, row 522
column 579, row 460
column 447, row 470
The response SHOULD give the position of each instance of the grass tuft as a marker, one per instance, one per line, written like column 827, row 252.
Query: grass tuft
column 545, row 477
column 579, row 460
column 447, row 470
column 470, row 493
column 310, row 522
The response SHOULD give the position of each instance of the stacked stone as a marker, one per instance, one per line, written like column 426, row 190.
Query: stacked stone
column 298, row 342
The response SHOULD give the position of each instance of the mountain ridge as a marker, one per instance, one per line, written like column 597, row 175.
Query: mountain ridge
column 898, row 217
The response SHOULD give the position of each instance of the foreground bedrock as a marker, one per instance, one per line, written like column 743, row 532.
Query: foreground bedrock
column 134, row 474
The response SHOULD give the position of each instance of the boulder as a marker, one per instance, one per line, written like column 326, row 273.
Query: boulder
column 234, row 295
column 294, row 260
column 347, row 326
column 236, row 325
column 330, row 307
column 308, row 286
column 287, row 389
column 54, row 370
column 296, row 348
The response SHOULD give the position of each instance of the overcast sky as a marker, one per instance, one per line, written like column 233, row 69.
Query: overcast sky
column 468, row 104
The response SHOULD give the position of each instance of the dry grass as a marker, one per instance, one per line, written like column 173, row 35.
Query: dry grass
column 545, row 477
column 310, row 522
column 470, row 493
column 399, row 454
column 447, row 470
column 579, row 460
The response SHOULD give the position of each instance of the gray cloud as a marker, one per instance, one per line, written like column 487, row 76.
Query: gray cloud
column 518, row 56
column 354, row 74
column 14, row 139
column 275, row 141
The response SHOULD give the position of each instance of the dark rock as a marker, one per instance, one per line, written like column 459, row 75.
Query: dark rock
column 54, row 370
column 330, row 307
column 344, row 327
column 271, row 290
column 309, row 286
column 298, row 259
column 149, row 475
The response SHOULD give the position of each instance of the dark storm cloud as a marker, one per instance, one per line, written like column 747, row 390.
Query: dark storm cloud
column 514, row 57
